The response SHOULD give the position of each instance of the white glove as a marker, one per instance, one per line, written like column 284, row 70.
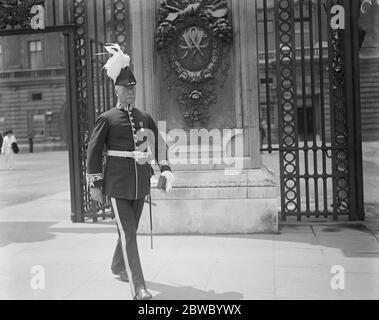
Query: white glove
column 170, row 180
column 96, row 194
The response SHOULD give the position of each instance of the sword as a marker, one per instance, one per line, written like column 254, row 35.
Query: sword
column 151, row 222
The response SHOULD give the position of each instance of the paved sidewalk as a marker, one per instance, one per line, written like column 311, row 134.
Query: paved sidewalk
column 296, row 264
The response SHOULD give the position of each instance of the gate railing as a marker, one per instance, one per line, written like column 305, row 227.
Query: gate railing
column 310, row 106
column 98, row 22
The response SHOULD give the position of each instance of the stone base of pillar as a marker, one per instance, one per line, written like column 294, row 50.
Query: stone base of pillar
column 212, row 202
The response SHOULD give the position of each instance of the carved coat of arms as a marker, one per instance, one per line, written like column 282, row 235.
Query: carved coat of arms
column 193, row 37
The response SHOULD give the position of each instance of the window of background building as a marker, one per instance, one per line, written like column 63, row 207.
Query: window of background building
column 264, row 114
column 38, row 123
column 264, row 81
column 35, row 54
column 36, row 96
column 305, row 19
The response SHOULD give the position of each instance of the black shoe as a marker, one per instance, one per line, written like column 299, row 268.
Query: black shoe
column 143, row 294
column 123, row 276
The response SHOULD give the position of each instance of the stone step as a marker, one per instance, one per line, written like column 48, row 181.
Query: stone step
column 208, row 202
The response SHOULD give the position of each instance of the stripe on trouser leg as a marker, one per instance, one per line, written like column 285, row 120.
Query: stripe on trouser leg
column 123, row 245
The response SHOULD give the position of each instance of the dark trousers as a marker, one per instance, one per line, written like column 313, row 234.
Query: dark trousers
column 126, row 257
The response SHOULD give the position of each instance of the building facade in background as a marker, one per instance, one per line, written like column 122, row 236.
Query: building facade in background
column 33, row 77
column 32, row 87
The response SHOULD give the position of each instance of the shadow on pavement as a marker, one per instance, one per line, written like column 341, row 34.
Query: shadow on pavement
column 84, row 230
column 353, row 239
column 167, row 292
column 21, row 231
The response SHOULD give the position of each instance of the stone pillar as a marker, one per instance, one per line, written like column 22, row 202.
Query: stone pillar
column 246, row 76
column 205, row 198
column 143, row 56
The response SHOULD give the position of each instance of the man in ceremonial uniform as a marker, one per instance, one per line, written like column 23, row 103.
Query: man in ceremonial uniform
column 132, row 140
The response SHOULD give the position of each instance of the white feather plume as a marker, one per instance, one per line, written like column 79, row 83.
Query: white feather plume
column 117, row 62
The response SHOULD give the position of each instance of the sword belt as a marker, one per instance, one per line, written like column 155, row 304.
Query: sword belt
column 128, row 154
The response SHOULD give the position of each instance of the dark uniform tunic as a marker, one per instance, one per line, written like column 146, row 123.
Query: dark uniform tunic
column 125, row 180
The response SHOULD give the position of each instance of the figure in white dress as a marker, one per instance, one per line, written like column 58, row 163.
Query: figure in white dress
column 6, row 149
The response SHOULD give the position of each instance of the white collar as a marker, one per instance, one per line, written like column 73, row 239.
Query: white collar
column 123, row 107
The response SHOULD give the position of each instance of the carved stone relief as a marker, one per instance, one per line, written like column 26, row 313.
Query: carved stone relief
column 193, row 39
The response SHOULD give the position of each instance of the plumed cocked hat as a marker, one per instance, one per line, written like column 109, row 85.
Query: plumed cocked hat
column 117, row 66
column 126, row 78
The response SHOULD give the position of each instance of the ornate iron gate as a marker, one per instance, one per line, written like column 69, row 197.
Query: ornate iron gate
column 102, row 22
column 86, row 86
column 97, row 22
column 316, row 72
column 316, row 67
